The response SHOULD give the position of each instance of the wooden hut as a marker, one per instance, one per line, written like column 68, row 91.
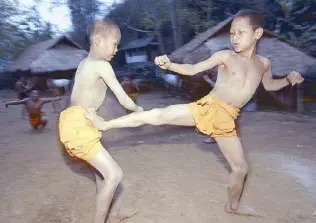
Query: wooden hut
column 284, row 55
column 54, row 58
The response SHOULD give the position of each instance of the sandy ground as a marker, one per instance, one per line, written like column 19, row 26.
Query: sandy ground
column 170, row 174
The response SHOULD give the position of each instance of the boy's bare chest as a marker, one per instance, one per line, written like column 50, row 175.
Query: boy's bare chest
column 34, row 105
column 245, row 71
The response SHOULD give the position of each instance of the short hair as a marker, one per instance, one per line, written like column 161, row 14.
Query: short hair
column 256, row 18
column 101, row 27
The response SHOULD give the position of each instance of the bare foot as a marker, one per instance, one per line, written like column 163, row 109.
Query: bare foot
column 119, row 217
column 243, row 210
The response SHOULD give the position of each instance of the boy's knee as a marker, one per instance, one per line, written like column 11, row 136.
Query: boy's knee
column 240, row 168
column 116, row 176
column 156, row 117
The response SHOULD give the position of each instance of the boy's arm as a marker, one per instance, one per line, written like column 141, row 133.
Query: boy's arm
column 215, row 60
column 111, row 81
column 97, row 121
column 49, row 100
column 208, row 80
column 271, row 84
column 16, row 102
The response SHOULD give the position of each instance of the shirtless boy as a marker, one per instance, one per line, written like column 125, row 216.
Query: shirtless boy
column 34, row 107
column 79, row 137
column 239, row 74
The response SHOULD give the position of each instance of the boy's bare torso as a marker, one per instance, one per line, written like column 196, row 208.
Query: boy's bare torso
column 238, row 79
column 34, row 108
column 89, row 89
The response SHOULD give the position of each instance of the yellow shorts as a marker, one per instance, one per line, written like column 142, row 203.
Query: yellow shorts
column 214, row 117
column 79, row 137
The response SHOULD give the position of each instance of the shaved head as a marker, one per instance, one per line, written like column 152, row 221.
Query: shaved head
column 103, row 28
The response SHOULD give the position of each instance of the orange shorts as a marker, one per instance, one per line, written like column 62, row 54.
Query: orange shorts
column 214, row 117
column 36, row 121
column 79, row 137
column 133, row 96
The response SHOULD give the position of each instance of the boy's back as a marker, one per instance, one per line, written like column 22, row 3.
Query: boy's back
column 89, row 89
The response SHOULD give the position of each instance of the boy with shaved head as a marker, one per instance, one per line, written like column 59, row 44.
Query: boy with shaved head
column 78, row 135
column 239, row 74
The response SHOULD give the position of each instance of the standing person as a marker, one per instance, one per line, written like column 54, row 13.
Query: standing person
column 80, row 138
column 22, row 93
column 131, row 90
column 55, row 93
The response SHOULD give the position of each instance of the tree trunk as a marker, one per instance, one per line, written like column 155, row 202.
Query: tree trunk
column 154, row 14
column 173, row 18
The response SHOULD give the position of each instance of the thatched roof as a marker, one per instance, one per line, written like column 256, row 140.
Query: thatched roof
column 58, row 54
column 285, row 56
column 138, row 43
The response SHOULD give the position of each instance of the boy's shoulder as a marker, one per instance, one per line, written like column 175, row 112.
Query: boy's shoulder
column 264, row 60
column 94, row 66
column 93, row 62
column 226, row 52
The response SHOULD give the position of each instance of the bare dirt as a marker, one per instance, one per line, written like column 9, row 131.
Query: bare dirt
column 170, row 175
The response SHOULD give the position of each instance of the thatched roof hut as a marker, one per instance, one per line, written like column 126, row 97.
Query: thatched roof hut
column 284, row 55
column 60, row 54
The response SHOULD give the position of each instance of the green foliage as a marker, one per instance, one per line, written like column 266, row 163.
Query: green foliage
column 166, row 19
column 19, row 27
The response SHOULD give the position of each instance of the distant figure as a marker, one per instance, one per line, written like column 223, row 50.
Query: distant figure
column 34, row 105
column 131, row 90
column 172, row 80
column 22, row 92
column 55, row 93
column 54, row 85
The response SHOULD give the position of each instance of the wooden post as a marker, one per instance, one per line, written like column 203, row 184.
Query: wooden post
column 299, row 98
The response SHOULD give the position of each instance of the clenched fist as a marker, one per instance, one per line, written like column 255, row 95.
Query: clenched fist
column 294, row 78
column 163, row 62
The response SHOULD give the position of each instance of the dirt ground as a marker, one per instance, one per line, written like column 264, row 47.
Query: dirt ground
column 170, row 175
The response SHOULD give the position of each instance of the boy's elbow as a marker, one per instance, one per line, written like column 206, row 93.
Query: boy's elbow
column 266, row 87
column 192, row 71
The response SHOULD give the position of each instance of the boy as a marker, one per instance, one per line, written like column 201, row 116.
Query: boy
column 22, row 92
column 239, row 74
column 79, row 137
column 34, row 107
column 55, row 93
column 131, row 89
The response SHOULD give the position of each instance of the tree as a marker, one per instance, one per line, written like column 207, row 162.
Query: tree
column 82, row 13
column 20, row 27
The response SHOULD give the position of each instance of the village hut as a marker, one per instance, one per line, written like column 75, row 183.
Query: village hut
column 55, row 58
column 284, row 55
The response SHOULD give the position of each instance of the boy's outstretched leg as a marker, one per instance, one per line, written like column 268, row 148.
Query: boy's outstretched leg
column 106, row 187
column 233, row 152
column 171, row 115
